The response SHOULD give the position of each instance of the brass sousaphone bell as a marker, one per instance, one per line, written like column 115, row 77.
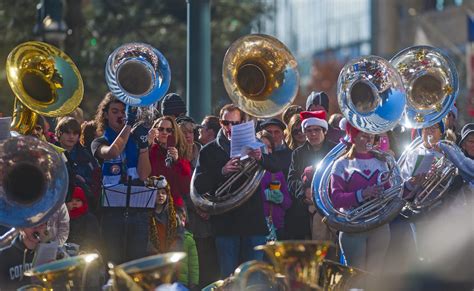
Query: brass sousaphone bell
column 261, row 77
column 44, row 80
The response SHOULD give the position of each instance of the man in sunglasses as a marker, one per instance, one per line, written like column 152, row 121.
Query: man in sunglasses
column 239, row 230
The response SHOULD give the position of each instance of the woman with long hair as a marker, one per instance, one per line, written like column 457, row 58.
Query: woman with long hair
column 294, row 136
column 169, row 157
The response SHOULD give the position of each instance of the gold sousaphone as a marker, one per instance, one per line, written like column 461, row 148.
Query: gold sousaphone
column 44, row 80
column 261, row 77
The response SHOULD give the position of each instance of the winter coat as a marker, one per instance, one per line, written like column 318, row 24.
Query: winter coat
column 245, row 220
column 278, row 210
column 189, row 271
column 178, row 175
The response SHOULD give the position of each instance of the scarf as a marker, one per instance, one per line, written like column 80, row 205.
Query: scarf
column 114, row 169
column 78, row 212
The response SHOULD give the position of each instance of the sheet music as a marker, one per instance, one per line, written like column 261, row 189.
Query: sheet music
column 423, row 164
column 140, row 197
column 243, row 139
column 45, row 253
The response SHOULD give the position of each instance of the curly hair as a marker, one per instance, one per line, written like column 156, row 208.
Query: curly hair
column 171, row 227
column 183, row 150
column 103, row 108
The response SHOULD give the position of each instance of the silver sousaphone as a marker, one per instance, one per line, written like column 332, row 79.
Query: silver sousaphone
column 431, row 83
column 138, row 75
column 371, row 96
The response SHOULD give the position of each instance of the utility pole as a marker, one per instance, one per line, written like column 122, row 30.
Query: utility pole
column 198, row 73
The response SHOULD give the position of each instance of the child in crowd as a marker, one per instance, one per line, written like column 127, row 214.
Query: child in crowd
column 164, row 232
column 189, row 271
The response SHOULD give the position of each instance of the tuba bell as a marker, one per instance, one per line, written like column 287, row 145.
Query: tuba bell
column 146, row 273
column 372, row 98
column 261, row 77
column 431, row 82
column 65, row 274
column 138, row 75
column 33, row 181
column 44, row 81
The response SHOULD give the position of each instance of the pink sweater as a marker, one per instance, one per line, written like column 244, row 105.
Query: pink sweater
column 350, row 177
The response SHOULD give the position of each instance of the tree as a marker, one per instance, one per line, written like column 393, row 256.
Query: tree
column 97, row 27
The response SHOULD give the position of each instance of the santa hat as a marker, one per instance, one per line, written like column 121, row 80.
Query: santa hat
column 351, row 131
column 310, row 118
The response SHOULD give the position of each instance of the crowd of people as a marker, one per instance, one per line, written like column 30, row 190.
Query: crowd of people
column 116, row 148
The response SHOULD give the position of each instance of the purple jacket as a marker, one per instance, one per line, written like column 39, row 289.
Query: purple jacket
column 278, row 212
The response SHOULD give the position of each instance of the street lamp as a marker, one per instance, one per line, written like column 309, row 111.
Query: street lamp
column 50, row 26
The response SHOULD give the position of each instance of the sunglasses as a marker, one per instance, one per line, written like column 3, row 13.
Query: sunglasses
column 167, row 129
column 227, row 122
column 296, row 130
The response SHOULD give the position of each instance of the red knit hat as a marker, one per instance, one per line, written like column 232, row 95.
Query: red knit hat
column 310, row 118
column 351, row 131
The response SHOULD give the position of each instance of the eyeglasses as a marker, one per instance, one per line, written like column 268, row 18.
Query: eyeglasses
column 167, row 129
column 228, row 122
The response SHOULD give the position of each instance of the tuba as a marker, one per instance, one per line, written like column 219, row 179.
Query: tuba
column 65, row 274
column 372, row 98
column 44, row 80
column 437, row 181
column 146, row 273
column 28, row 159
column 138, row 75
column 431, row 82
column 261, row 77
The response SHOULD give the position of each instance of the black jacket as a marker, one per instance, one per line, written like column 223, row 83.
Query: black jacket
column 303, row 157
column 283, row 159
column 84, row 231
column 245, row 220
column 14, row 261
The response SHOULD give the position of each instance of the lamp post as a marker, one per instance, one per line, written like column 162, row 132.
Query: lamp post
column 50, row 26
column 198, row 73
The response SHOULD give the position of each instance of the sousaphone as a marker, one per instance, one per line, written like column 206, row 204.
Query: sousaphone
column 261, row 77
column 372, row 98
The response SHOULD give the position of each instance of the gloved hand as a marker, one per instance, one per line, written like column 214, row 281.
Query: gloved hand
column 274, row 196
column 131, row 115
column 140, row 136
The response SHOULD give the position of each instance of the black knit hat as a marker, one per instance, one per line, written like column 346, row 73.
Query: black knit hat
column 318, row 98
column 172, row 104
column 466, row 130
column 273, row 121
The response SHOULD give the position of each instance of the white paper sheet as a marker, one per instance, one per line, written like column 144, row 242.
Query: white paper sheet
column 243, row 136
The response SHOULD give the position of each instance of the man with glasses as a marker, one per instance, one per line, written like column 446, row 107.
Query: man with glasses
column 208, row 129
column 239, row 230
column 315, row 148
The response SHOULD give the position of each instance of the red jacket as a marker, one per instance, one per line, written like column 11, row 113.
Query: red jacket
column 178, row 175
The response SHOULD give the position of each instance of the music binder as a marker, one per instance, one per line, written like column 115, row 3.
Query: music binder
column 140, row 196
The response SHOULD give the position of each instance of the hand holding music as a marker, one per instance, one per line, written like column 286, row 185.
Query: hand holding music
column 256, row 154
column 231, row 166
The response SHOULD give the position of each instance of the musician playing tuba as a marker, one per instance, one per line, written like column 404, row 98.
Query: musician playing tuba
column 359, row 176
column 239, row 230
column 18, row 257
column 110, row 150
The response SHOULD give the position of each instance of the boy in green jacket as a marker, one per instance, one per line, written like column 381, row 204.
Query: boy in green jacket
column 189, row 271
